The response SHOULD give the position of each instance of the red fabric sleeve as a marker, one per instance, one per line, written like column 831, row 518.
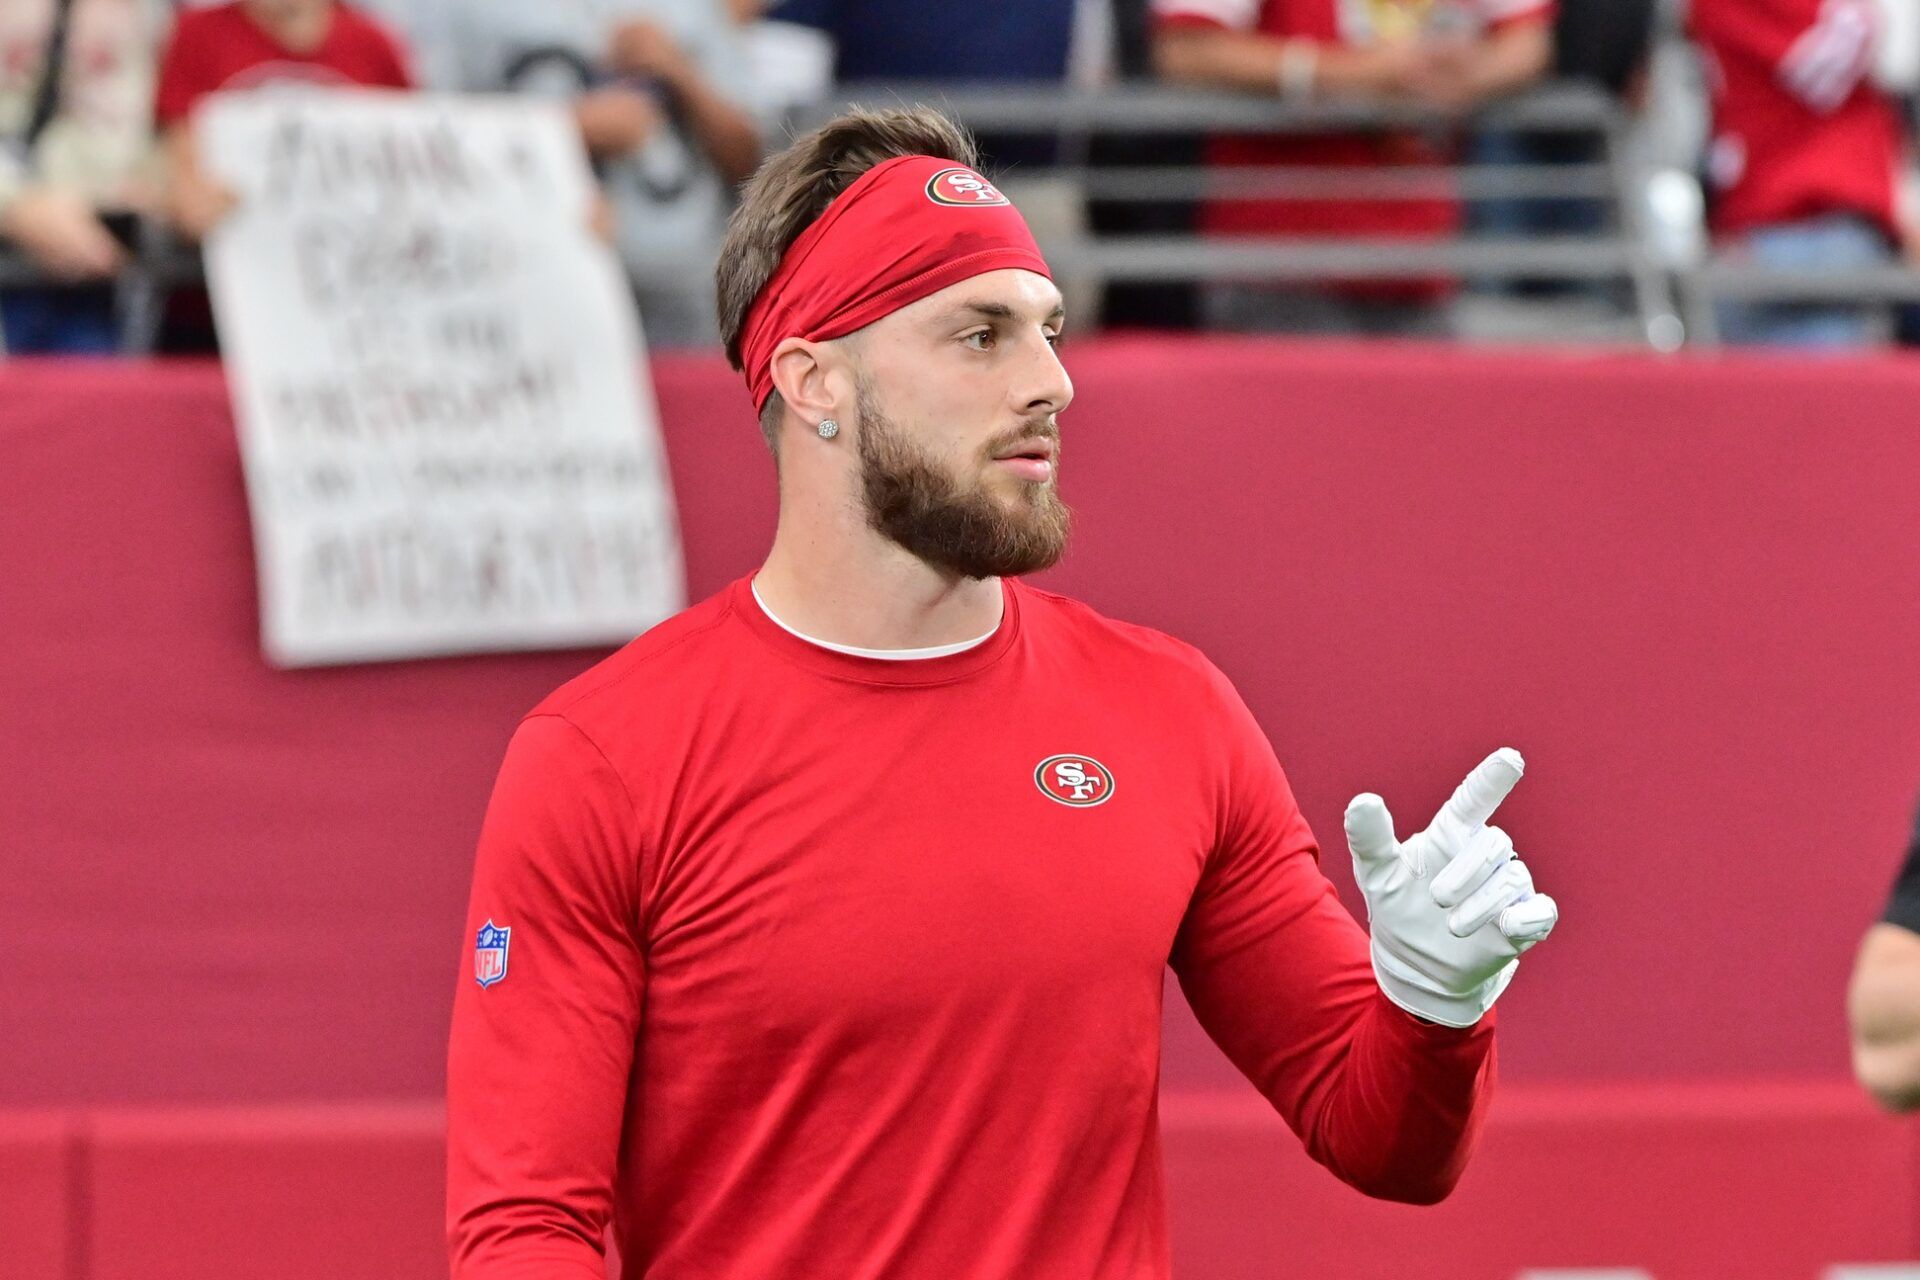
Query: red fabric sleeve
column 1757, row 33
column 1190, row 20
column 391, row 56
column 538, row 1062
column 183, row 77
column 1221, row 15
column 1505, row 17
column 1500, row 14
column 1278, row 974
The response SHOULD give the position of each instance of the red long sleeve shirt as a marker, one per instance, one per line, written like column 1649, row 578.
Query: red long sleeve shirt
column 792, row 963
column 221, row 47
column 1775, row 157
column 1339, row 24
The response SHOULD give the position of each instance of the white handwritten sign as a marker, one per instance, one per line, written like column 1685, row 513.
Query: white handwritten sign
column 438, row 377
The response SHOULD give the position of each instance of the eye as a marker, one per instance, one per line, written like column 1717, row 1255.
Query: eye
column 979, row 339
column 1055, row 339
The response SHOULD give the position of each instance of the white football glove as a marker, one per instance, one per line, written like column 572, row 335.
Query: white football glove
column 1452, row 908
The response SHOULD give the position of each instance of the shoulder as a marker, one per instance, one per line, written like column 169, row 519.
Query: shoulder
column 209, row 20
column 1125, row 649
column 669, row 657
column 366, row 28
column 200, row 42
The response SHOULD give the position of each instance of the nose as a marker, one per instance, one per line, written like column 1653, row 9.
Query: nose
column 1043, row 386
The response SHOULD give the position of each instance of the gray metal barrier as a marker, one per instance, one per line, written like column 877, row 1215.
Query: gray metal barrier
column 1663, row 294
column 1070, row 119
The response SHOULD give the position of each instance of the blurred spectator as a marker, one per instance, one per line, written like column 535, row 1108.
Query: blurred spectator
column 248, row 43
column 1883, row 1002
column 1129, row 303
column 660, row 89
column 1448, row 55
column 430, row 31
column 927, row 40
column 1803, row 163
column 1605, row 41
column 76, row 87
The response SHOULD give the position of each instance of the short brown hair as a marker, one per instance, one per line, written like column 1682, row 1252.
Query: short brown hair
column 794, row 187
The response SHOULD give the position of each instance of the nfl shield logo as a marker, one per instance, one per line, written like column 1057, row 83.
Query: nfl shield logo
column 490, row 954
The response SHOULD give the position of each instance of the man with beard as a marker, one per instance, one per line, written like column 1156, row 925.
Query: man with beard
column 820, row 931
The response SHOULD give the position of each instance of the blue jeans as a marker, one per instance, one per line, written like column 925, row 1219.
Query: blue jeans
column 1838, row 241
column 59, row 321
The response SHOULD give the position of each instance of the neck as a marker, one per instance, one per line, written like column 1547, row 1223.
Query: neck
column 301, row 29
column 834, row 578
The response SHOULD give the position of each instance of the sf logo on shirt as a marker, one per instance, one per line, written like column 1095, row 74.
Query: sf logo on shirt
column 1077, row 781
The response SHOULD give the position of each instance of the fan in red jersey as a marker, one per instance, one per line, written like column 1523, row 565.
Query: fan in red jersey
column 821, row 931
column 1805, row 155
column 243, row 44
column 1446, row 55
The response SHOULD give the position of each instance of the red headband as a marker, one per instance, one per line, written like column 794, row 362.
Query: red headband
column 906, row 228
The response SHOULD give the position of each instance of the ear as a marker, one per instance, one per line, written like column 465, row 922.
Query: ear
column 807, row 382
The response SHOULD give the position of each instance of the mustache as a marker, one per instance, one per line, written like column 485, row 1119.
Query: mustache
column 1043, row 427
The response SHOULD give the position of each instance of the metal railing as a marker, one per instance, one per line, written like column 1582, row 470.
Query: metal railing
column 1070, row 120
column 1145, row 108
column 1723, row 278
column 1662, row 292
column 1674, row 301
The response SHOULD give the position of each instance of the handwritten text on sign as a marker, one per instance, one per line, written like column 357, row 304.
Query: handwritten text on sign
column 438, row 377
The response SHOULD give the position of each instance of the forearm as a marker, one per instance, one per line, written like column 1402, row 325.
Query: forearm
column 181, row 168
column 1389, row 1104
column 1217, row 59
column 193, row 201
column 1883, row 1008
column 1402, row 1107
column 613, row 121
column 12, row 184
column 724, row 131
column 529, row 1157
column 530, row 1250
column 1283, row 977
column 1248, row 61
column 1512, row 59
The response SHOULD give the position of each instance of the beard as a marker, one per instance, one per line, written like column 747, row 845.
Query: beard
column 951, row 522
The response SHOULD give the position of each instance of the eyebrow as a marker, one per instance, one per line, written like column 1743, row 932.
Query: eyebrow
column 1001, row 311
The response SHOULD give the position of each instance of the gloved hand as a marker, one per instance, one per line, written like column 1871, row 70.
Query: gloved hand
column 1452, row 908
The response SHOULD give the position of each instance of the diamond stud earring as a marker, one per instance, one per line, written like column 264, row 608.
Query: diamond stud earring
column 829, row 428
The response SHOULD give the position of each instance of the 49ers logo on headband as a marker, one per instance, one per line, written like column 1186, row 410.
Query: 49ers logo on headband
column 831, row 282
column 962, row 187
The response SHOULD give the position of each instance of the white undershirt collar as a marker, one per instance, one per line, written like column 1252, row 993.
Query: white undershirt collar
column 890, row 655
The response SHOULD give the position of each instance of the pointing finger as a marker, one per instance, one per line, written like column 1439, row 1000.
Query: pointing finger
column 1474, row 800
column 1370, row 829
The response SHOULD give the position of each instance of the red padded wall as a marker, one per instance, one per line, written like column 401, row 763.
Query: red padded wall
column 1690, row 1182
column 1685, row 589
column 39, row 1171
column 334, row 1193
